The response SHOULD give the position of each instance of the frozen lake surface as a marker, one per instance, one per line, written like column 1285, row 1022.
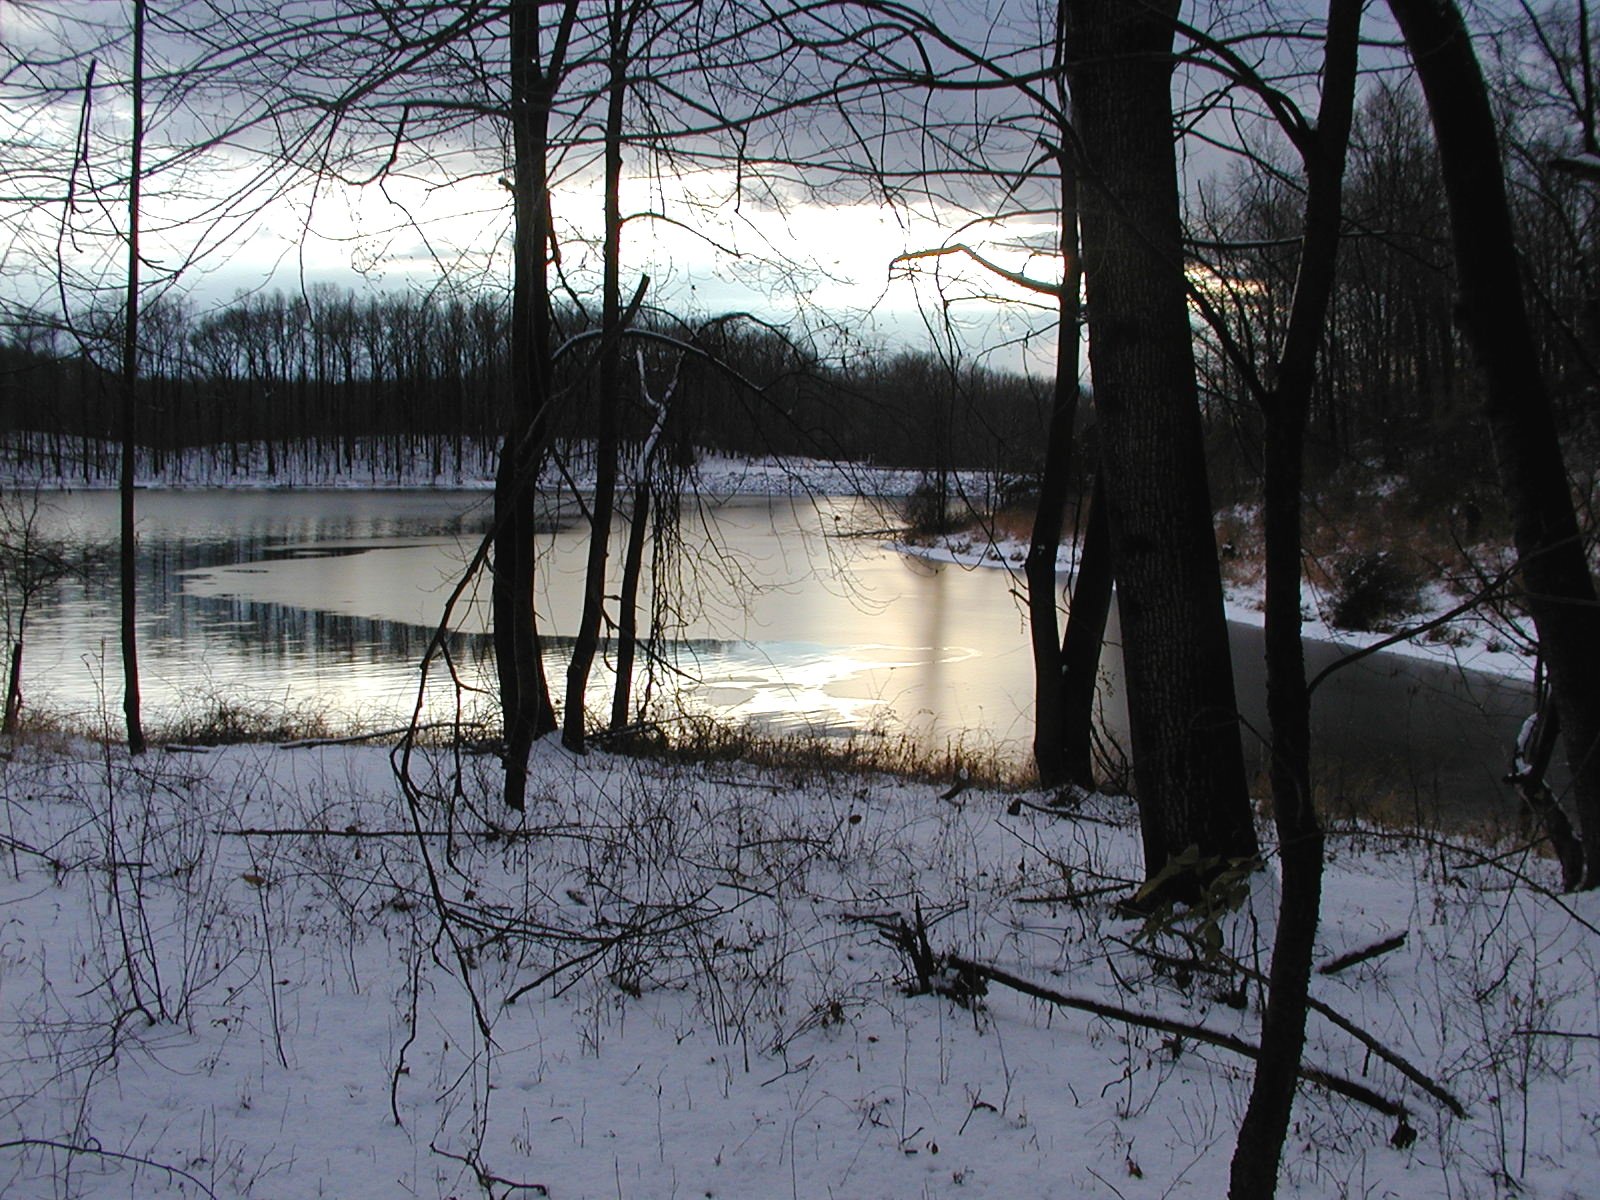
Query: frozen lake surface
column 793, row 615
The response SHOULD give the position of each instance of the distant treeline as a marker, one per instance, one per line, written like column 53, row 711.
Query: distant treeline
column 1396, row 384
column 353, row 380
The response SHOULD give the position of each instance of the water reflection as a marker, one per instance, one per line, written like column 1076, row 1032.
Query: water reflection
column 328, row 599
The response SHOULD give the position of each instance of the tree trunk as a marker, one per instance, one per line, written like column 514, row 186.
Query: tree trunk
column 1051, row 733
column 1559, row 590
column 628, row 603
column 524, row 693
column 1187, row 762
column 1300, row 839
column 601, row 508
column 13, row 716
column 639, row 524
column 1085, row 636
column 129, row 554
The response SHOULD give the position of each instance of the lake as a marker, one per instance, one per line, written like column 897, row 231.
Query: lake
column 791, row 615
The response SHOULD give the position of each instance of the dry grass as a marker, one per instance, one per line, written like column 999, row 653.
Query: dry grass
column 700, row 739
column 1373, row 543
column 1013, row 523
column 206, row 719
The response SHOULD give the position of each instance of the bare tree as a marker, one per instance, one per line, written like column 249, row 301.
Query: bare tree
column 1187, row 760
column 622, row 18
column 1559, row 590
column 524, row 692
column 128, row 570
column 1286, row 405
column 31, row 563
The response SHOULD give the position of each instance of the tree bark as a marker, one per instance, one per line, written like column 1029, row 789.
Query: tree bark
column 587, row 641
column 1259, row 1149
column 1559, row 590
column 1051, row 731
column 628, row 606
column 128, row 555
column 524, row 692
column 13, row 717
column 1085, row 637
column 639, row 525
column 1187, row 761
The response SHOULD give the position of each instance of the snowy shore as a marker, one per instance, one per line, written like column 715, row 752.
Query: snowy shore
column 375, row 465
column 1473, row 641
column 265, row 972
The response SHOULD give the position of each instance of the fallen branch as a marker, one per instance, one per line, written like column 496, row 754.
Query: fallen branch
column 1472, row 858
column 113, row 1155
column 962, row 979
column 492, row 834
column 292, row 831
column 1332, row 1015
column 1076, row 897
column 1350, row 958
column 356, row 738
column 1062, row 811
column 10, row 845
column 1200, row 1033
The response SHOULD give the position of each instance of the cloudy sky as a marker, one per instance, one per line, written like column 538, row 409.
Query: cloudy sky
column 808, row 247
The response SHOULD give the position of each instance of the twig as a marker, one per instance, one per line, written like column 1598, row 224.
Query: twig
column 400, row 1067
column 486, row 1180
column 115, row 1155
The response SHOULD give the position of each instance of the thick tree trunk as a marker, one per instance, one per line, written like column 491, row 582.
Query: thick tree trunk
column 1187, row 762
column 1559, row 590
column 524, row 693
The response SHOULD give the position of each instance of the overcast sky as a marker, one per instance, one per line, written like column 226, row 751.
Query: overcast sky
column 442, row 209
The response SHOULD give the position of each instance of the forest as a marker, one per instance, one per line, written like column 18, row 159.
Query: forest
column 1188, row 280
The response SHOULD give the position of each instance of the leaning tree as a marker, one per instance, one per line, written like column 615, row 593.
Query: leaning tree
column 1558, row 588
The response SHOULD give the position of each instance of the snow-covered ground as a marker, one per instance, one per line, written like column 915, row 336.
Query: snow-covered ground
column 1478, row 640
column 264, row 972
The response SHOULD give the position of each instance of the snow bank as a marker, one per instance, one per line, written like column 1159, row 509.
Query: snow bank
column 373, row 464
column 265, row 972
column 1476, row 640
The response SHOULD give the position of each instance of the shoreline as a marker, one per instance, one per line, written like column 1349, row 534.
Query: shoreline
column 1474, row 648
